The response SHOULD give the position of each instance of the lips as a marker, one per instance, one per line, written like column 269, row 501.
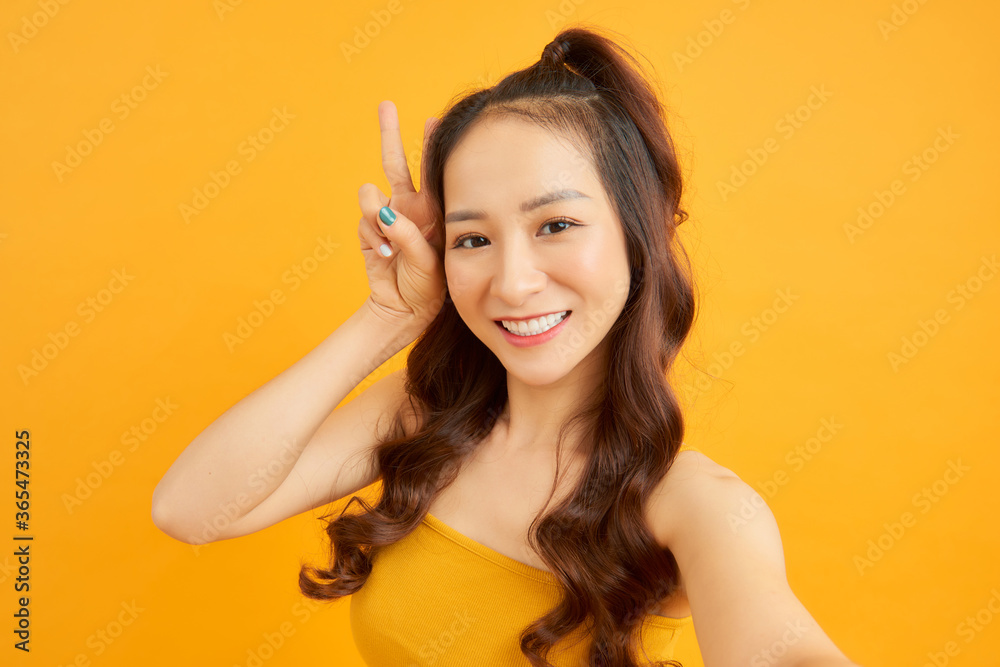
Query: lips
column 535, row 339
column 530, row 317
column 534, row 326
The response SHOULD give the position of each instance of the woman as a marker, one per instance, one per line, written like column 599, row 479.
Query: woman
column 536, row 507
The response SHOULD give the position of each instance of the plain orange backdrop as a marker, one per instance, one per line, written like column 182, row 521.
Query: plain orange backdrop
column 841, row 166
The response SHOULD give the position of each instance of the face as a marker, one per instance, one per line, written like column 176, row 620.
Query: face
column 512, row 253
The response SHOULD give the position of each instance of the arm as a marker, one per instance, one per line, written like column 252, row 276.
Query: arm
column 287, row 447
column 267, row 457
column 733, row 566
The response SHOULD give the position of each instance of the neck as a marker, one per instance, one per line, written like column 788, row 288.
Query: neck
column 534, row 414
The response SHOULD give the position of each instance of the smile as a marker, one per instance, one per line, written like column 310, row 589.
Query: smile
column 535, row 326
column 542, row 329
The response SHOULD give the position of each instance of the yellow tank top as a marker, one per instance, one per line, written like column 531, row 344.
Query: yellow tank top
column 438, row 597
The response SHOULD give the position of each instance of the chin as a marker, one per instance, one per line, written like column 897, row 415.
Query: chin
column 541, row 371
column 536, row 377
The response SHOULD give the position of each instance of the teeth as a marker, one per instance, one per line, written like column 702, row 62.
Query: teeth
column 535, row 326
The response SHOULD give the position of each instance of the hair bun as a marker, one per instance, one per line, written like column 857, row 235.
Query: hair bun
column 554, row 53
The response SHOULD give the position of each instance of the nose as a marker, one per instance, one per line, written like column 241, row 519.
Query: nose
column 518, row 276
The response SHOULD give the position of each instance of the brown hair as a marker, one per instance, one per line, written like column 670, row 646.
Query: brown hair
column 596, row 541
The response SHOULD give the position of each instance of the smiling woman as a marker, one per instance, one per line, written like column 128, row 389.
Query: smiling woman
column 533, row 254
column 540, row 384
column 536, row 507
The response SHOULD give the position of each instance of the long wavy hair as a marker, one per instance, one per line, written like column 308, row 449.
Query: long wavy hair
column 595, row 541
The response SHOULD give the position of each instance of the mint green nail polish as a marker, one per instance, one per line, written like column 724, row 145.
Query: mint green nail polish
column 386, row 215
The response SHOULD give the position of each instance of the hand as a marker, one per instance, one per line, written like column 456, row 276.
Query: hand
column 407, row 287
column 416, row 206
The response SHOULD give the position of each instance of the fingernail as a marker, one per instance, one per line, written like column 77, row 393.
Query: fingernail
column 385, row 250
column 386, row 215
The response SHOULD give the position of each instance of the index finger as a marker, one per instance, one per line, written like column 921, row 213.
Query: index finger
column 393, row 156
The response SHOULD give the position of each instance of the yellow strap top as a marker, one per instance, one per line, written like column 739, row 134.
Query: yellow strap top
column 438, row 597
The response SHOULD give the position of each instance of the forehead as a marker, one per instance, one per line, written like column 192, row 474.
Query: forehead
column 500, row 156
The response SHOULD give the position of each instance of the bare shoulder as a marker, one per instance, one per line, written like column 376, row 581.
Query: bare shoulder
column 692, row 464
column 693, row 477
column 690, row 469
column 728, row 548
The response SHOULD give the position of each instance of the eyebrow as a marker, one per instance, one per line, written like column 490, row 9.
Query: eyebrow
column 526, row 207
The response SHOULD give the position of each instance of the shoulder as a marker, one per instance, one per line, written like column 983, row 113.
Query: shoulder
column 701, row 505
column 728, row 549
column 691, row 473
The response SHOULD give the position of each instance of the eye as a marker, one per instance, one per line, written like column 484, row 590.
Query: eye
column 558, row 221
column 462, row 239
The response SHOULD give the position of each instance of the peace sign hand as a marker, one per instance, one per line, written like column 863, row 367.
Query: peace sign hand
column 408, row 286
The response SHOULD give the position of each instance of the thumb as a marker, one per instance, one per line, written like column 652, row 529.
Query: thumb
column 402, row 232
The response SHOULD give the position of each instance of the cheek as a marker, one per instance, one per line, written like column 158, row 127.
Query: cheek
column 459, row 278
column 602, row 272
column 591, row 262
column 601, row 263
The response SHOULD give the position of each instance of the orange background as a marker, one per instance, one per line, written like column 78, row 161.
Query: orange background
column 810, row 396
